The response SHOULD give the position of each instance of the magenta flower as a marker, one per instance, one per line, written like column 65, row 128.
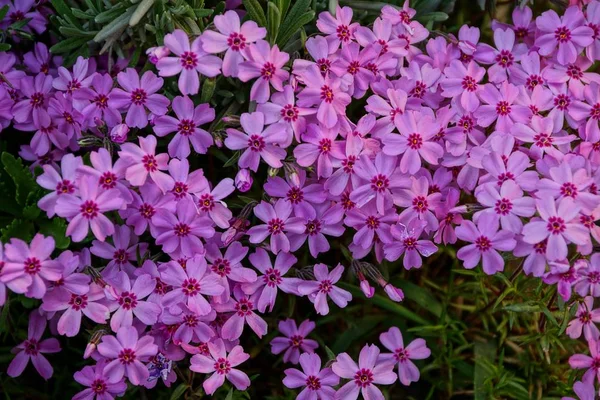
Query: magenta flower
column 28, row 269
column 138, row 95
column 514, row 168
column 126, row 353
column 122, row 253
column 190, row 326
column 317, row 382
column 282, row 108
column 589, row 111
column 33, row 349
column 568, row 33
column 501, row 107
column 559, row 226
column 98, row 383
column 506, row 56
column 228, row 267
column 463, row 81
column 144, row 161
column 222, row 366
column 485, row 241
column 187, row 127
column 33, row 109
column 371, row 226
column 540, row 134
column 324, row 286
column 420, row 202
column 390, row 108
column 564, row 275
column 80, row 78
column 74, row 306
column 363, row 377
column 327, row 221
column 86, row 211
column 190, row 284
column 585, row 320
column 145, row 206
column 211, row 202
column 591, row 362
column 589, row 277
column 66, row 117
column 98, row 95
column 130, row 300
column 294, row 340
column 378, row 179
column 275, row 218
column 339, row 29
column 265, row 63
column 407, row 241
column 243, row 308
column 266, row 286
column 326, row 93
column 303, row 197
column 257, row 141
column 231, row 38
column 505, row 204
column 190, row 62
column 109, row 176
column 416, row 350
column 61, row 182
column 319, row 145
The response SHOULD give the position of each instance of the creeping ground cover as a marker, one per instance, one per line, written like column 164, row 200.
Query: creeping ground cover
column 299, row 199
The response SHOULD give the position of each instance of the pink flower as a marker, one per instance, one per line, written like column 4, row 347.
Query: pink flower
column 378, row 179
column 540, row 134
column 324, row 286
column 501, row 106
column 98, row 95
column 294, row 340
column 190, row 61
column 568, row 33
column 463, row 81
column 190, row 284
column 143, row 161
column 61, row 182
column 559, row 226
column 87, row 210
column 222, row 366
column 33, row 109
column 586, row 319
column 28, row 269
column 243, row 180
column 231, row 38
column 211, row 202
column 243, row 308
column 317, row 382
column 319, row 145
column 363, row 377
column 33, row 349
column 339, row 29
column 187, row 127
column 486, row 241
column 228, row 267
column 126, row 353
column 416, row 350
column 257, row 141
column 265, row 63
column 407, row 241
column 420, row 203
column 98, row 383
column 589, row 277
column 275, row 226
column 591, row 362
column 138, row 95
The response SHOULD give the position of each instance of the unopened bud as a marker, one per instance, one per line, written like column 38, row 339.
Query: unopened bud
column 394, row 293
column 89, row 141
column 231, row 120
column 291, row 173
column 118, row 134
column 367, row 289
column 93, row 344
column 243, row 180
column 218, row 136
column 156, row 53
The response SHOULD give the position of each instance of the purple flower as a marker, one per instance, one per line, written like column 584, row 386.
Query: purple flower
column 266, row 286
column 190, row 61
column 589, row 277
column 370, row 225
column 33, row 109
column 190, row 284
column 364, row 376
column 501, row 106
column 143, row 161
column 506, row 57
column 303, row 197
column 243, row 180
column 72, row 82
column 130, row 300
column 257, row 141
column 265, row 63
column 86, row 210
column 109, row 176
column 243, row 308
column 126, row 353
column 61, row 182
column 378, row 179
column 327, row 93
column 190, row 326
column 327, row 220
column 319, row 145
column 416, row 350
column 33, row 349
column 540, row 134
column 339, row 29
column 180, row 233
column 586, row 319
column 211, row 202
column 591, row 362
column 145, row 206
column 324, row 286
column 231, row 38
column 565, row 275
column 122, row 253
column 98, row 383
column 222, row 366
column 407, row 241
column 317, row 382
column 138, row 95
column 568, row 33
column 485, row 240
column 98, row 95
column 275, row 226
column 187, row 127
column 282, row 108
column 294, row 340
column 389, row 108
column 559, row 226
column 463, row 81
column 27, row 269
column 420, row 203
column 228, row 267
column 118, row 134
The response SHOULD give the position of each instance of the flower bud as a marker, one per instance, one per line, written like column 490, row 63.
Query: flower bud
column 272, row 172
column 291, row 173
column 118, row 134
column 394, row 293
column 156, row 53
column 367, row 289
column 243, row 180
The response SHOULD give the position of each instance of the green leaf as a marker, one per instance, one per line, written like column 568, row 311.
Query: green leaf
column 65, row 11
column 432, row 16
column 68, row 45
column 229, row 395
column 296, row 19
column 273, row 21
column 255, row 12
column 17, row 229
column 485, row 354
column 208, row 89
column 357, row 332
column 3, row 12
column 232, row 160
column 4, row 46
column 179, row 391
column 74, row 32
column 140, row 12
column 527, row 307
column 21, row 176
column 419, row 295
column 57, row 228
column 19, row 24
column 202, row 13
column 118, row 24
column 110, row 15
column 330, row 354
column 282, row 6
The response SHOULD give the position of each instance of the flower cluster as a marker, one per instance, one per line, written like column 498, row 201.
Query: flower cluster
column 492, row 148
